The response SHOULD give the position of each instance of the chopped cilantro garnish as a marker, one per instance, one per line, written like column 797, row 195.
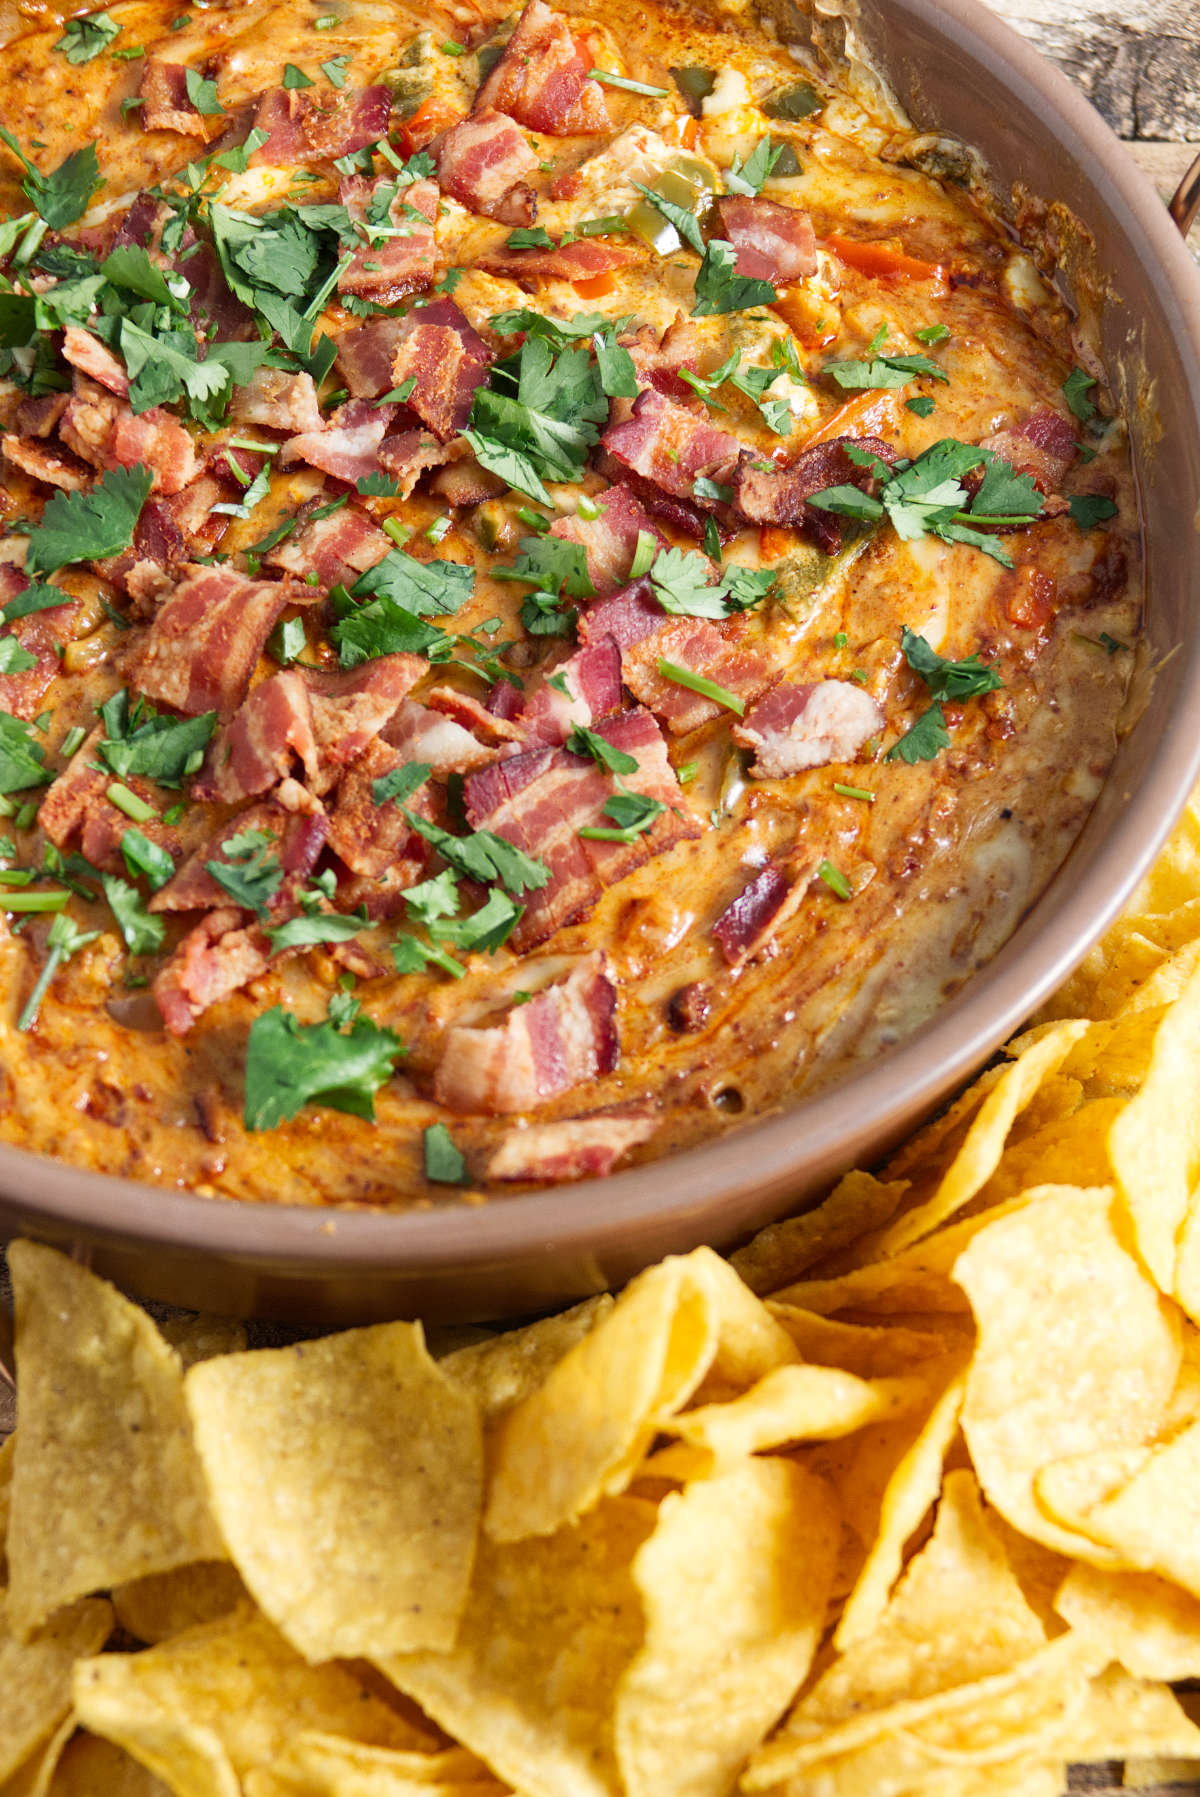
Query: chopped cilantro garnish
column 66, row 193
column 1076, row 390
column 1089, row 509
column 34, row 598
column 143, row 933
column 947, row 681
column 538, row 417
column 632, row 814
column 316, row 928
column 377, row 485
column 932, row 333
column 443, row 1162
column 86, row 38
column 383, row 628
column 684, row 221
column 401, row 783
column 420, row 587
column 748, row 177
column 64, row 940
column 884, row 371
column 925, row 741
column 483, row 856
column 250, row 872
column 290, row 1064
column 13, row 658
column 142, row 856
column 921, row 404
column 87, row 526
column 530, row 237
column 719, row 288
column 288, row 641
column 618, row 376
column 22, row 758
column 608, row 79
column 583, row 741
column 334, row 70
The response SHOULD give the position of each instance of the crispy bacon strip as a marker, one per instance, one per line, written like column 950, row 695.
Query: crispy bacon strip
column 164, row 89
column 76, row 806
column 1042, row 446
column 672, row 447
column 702, row 648
column 94, row 358
column 773, row 243
column 780, row 494
column 482, row 163
column 105, row 432
column 255, row 749
column 542, row 78
column 608, row 541
column 582, row 260
column 308, row 125
column 438, row 349
column 299, row 837
column 758, row 911
column 575, row 1148
column 349, row 710
column 282, row 401
column 566, row 1034
column 592, row 679
column 336, row 547
column 214, row 960
column 419, row 733
column 348, row 445
column 387, row 270
column 206, row 639
column 44, row 462
column 375, row 841
column 39, row 635
column 627, row 616
column 797, row 727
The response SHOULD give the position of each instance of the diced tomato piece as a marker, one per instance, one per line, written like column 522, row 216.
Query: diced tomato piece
column 883, row 262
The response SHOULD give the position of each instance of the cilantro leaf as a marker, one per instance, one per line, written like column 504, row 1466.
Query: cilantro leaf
column 1089, row 509
column 748, row 177
column 290, row 1064
column 618, row 376
column 86, row 38
column 583, row 741
column 921, row 404
column 539, row 416
column 250, row 873
column 684, row 221
column 925, row 741
column 163, row 749
column 1076, row 390
column 383, row 628
column 317, row 928
column 34, row 598
column 202, row 93
column 65, row 194
column 288, row 641
column 557, row 331
column 401, row 783
column 747, row 587
column 954, row 680
column 129, row 266
column 632, row 814
column 13, row 658
column 485, row 930
column 433, row 900
column 483, row 856
column 237, row 160
column 377, row 484
column 719, row 288
column 553, row 564
column 22, row 757
column 411, row 955
column 82, row 527
column 142, row 932
column 64, row 940
column 885, row 371
column 420, row 587
column 680, row 579
column 530, row 238
column 443, row 1162
column 1004, row 493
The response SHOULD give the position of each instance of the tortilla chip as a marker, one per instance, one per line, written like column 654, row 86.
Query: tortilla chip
column 1151, row 1627
column 1053, row 1376
column 90, row 1767
column 550, row 1627
column 317, row 1765
column 1155, row 1142
column 1152, row 1522
column 504, row 1369
column 780, row 1253
column 909, row 1495
column 7, row 1451
column 795, row 1404
column 871, row 1351
column 347, row 1478
column 735, row 1581
column 980, row 1153
column 106, row 1485
column 1128, row 1718
column 35, row 1676
column 581, row 1434
column 201, row 1710
column 169, row 1603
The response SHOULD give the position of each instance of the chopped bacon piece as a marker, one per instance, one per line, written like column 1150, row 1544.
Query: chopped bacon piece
column 213, row 960
column 779, row 494
column 576, row 1148
column 1043, row 446
column 672, row 447
column 565, row 1034
column 38, row 417
column 592, row 678
column 608, row 541
column 472, row 715
column 385, row 271
column 305, row 125
column 438, row 349
column 422, row 734
column 374, row 840
column 658, row 361
column 164, row 89
column 582, row 260
column 773, row 243
column 256, row 747
column 467, row 483
column 539, row 799
column 702, row 648
column 757, row 912
column 795, row 727
column 365, row 356
column 334, row 548
column 45, row 463
column 86, row 352
column 482, row 163
column 627, row 616
column 205, row 641
column 158, row 442
column 542, row 79
column 282, row 401
column 349, row 710
column 137, row 225
column 409, row 455
column 76, row 804
column 40, row 635
column 347, row 447
column 298, row 838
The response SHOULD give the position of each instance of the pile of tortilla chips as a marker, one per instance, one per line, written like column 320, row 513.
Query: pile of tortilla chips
column 904, row 1501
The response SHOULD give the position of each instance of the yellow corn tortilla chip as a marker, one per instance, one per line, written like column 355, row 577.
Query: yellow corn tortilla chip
column 346, row 1476
column 35, row 1676
column 7, row 1450
column 735, row 1581
column 1070, row 1150
column 780, row 1253
column 90, row 1767
column 909, row 1495
column 795, row 1404
column 501, row 1371
column 979, row 1156
column 1152, row 1521
column 582, row 1432
column 1155, row 1142
column 1054, row 1375
column 1151, row 1627
column 168, row 1603
column 1066, row 1490
column 1126, row 1718
column 316, row 1765
column 106, row 1485
column 551, row 1624
column 871, row 1351
column 200, row 1711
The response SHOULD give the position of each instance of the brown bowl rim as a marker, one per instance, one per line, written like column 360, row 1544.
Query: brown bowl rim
column 943, row 1053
